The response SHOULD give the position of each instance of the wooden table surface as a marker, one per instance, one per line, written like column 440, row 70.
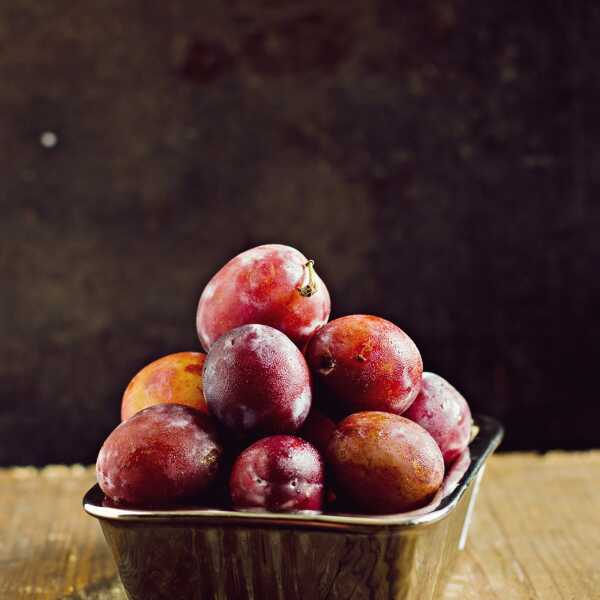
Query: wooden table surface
column 535, row 534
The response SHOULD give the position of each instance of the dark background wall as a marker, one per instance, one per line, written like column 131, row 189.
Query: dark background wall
column 440, row 161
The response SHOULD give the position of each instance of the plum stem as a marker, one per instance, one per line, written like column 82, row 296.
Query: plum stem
column 310, row 288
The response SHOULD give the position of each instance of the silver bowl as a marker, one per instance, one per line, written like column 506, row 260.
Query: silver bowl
column 203, row 553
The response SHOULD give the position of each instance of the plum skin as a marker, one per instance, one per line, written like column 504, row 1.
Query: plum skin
column 383, row 463
column 257, row 382
column 175, row 378
column 261, row 285
column 444, row 413
column 162, row 455
column 317, row 429
column 366, row 363
column 278, row 473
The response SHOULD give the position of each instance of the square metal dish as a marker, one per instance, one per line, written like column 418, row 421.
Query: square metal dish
column 201, row 554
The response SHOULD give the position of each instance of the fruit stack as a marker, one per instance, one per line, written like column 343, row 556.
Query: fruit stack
column 286, row 411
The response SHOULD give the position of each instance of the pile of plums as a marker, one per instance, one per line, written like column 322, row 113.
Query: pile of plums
column 286, row 411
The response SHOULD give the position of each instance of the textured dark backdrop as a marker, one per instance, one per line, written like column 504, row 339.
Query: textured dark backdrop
column 441, row 164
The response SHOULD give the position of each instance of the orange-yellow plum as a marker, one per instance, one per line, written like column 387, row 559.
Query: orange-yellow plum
column 172, row 379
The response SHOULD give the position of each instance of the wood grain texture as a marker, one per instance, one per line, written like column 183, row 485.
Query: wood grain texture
column 49, row 549
column 536, row 531
column 535, row 534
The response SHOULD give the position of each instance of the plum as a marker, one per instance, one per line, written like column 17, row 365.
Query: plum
column 384, row 463
column 272, row 285
column 256, row 381
column 175, row 378
column 278, row 473
column 162, row 455
column 317, row 429
column 444, row 413
column 366, row 363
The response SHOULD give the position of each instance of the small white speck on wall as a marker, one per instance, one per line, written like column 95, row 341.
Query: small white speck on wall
column 48, row 139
